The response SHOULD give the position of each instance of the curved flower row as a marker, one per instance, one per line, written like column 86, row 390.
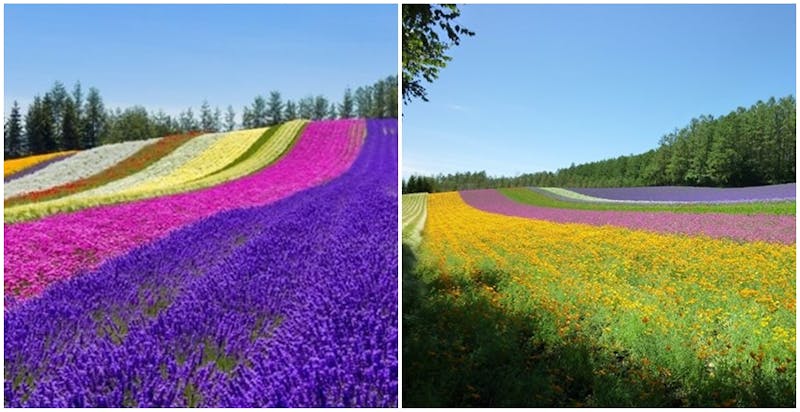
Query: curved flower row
column 681, row 311
column 292, row 304
column 766, row 228
column 13, row 166
column 133, row 164
column 414, row 209
column 270, row 147
column 82, row 165
column 37, row 167
column 267, row 149
column 553, row 198
column 164, row 167
column 787, row 191
column 217, row 156
column 41, row 252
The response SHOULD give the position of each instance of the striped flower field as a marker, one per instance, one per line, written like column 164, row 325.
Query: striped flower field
column 254, row 268
column 545, row 297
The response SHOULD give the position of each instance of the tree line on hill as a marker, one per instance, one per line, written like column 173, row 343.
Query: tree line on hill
column 747, row 147
column 61, row 120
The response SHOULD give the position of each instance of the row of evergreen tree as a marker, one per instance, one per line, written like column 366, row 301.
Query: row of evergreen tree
column 747, row 147
column 62, row 120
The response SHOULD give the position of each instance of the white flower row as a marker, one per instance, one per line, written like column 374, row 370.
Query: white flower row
column 82, row 165
column 580, row 197
column 161, row 168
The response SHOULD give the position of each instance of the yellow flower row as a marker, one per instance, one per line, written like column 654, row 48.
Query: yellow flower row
column 217, row 156
column 660, row 294
column 16, row 165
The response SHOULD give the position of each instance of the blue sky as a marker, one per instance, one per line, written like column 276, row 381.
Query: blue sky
column 174, row 56
column 542, row 86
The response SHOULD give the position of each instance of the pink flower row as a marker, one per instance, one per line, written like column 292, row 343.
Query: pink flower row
column 57, row 247
column 766, row 228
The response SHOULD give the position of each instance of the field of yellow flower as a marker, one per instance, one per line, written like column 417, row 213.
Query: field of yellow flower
column 510, row 311
column 13, row 166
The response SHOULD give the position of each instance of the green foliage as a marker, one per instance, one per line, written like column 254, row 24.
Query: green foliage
column 418, row 184
column 132, row 124
column 39, row 126
column 320, row 108
column 13, row 137
column 290, row 111
column 274, row 108
column 59, row 120
column 346, row 108
column 378, row 100
column 187, row 121
column 95, row 122
column 207, row 118
column 230, row 119
column 747, row 147
column 423, row 48
column 70, row 133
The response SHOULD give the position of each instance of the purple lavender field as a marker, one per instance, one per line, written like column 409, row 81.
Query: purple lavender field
column 292, row 304
column 786, row 191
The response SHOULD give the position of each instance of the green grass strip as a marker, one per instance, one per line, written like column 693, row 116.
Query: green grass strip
column 414, row 213
column 530, row 197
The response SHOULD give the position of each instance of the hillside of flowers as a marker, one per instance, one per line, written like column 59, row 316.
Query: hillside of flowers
column 649, row 296
column 254, row 268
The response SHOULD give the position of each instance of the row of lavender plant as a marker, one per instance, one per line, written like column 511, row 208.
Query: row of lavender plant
column 766, row 228
column 41, row 252
column 291, row 304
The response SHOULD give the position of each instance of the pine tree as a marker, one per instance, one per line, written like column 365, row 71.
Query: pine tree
column 230, row 119
column 57, row 96
column 188, row 122
column 390, row 97
column 13, row 133
column 363, row 98
column 206, row 117
column 30, row 125
column 95, row 119
column 305, row 109
column 162, row 124
column 217, row 119
column 378, row 100
column 274, row 108
column 320, row 109
column 77, row 99
column 290, row 111
column 70, row 131
column 346, row 107
column 39, row 126
column 48, row 132
column 331, row 112
column 258, row 111
column 247, row 118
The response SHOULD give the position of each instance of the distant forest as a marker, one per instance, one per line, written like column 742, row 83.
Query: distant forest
column 61, row 120
column 747, row 147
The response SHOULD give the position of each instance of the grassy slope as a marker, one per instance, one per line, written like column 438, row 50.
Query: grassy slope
column 414, row 210
column 527, row 196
